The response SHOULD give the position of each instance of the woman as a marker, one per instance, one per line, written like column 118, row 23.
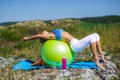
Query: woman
column 76, row 45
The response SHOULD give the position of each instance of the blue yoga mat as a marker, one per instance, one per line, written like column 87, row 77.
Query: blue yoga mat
column 26, row 65
column 85, row 65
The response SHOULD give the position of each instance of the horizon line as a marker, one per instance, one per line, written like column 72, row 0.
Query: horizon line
column 56, row 19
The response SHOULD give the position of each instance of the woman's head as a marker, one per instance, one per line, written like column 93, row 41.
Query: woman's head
column 45, row 32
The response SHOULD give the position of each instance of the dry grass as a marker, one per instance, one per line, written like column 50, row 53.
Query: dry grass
column 13, row 44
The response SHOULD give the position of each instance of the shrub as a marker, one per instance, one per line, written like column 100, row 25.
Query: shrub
column 11, row 35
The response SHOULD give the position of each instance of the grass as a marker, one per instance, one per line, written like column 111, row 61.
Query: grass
column 12, row 44
column 11, row 41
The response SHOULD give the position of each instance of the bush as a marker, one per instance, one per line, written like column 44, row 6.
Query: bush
column 11, row 35
column 6, row 51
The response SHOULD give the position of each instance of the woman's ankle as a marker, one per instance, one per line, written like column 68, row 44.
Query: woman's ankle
column 98, row 64
column 103, row 58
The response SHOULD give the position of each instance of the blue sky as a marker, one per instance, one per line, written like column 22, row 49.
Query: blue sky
column 22, row 10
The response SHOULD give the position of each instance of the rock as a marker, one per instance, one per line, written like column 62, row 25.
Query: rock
column 110, row 70
column 5, row 61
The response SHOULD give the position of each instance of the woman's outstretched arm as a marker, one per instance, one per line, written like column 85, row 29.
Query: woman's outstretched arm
column 32, row 37
column 44, row 35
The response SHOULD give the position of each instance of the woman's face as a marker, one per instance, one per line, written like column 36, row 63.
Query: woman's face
column 45, row 32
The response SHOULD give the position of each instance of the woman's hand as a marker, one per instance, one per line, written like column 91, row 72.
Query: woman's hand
column 25, row 38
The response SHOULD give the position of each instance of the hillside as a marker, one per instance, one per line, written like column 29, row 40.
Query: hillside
column 108, row 27
column 101, row 19
column 12, row 32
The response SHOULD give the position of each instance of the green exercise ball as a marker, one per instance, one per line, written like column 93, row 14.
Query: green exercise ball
column 52, row 52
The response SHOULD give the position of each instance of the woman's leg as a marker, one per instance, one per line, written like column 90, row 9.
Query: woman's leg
column 94, row 51
column 98, row 45
column 93, row 40
column 39, row 62
column 100, row 50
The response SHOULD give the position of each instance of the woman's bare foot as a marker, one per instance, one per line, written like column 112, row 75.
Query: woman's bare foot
column 98, row 64
column 103, row 58
column 38, row 62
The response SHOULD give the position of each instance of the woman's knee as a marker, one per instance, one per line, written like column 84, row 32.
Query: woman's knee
column 95, row 37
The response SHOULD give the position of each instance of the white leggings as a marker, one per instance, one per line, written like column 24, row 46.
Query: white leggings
column 78, row 45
